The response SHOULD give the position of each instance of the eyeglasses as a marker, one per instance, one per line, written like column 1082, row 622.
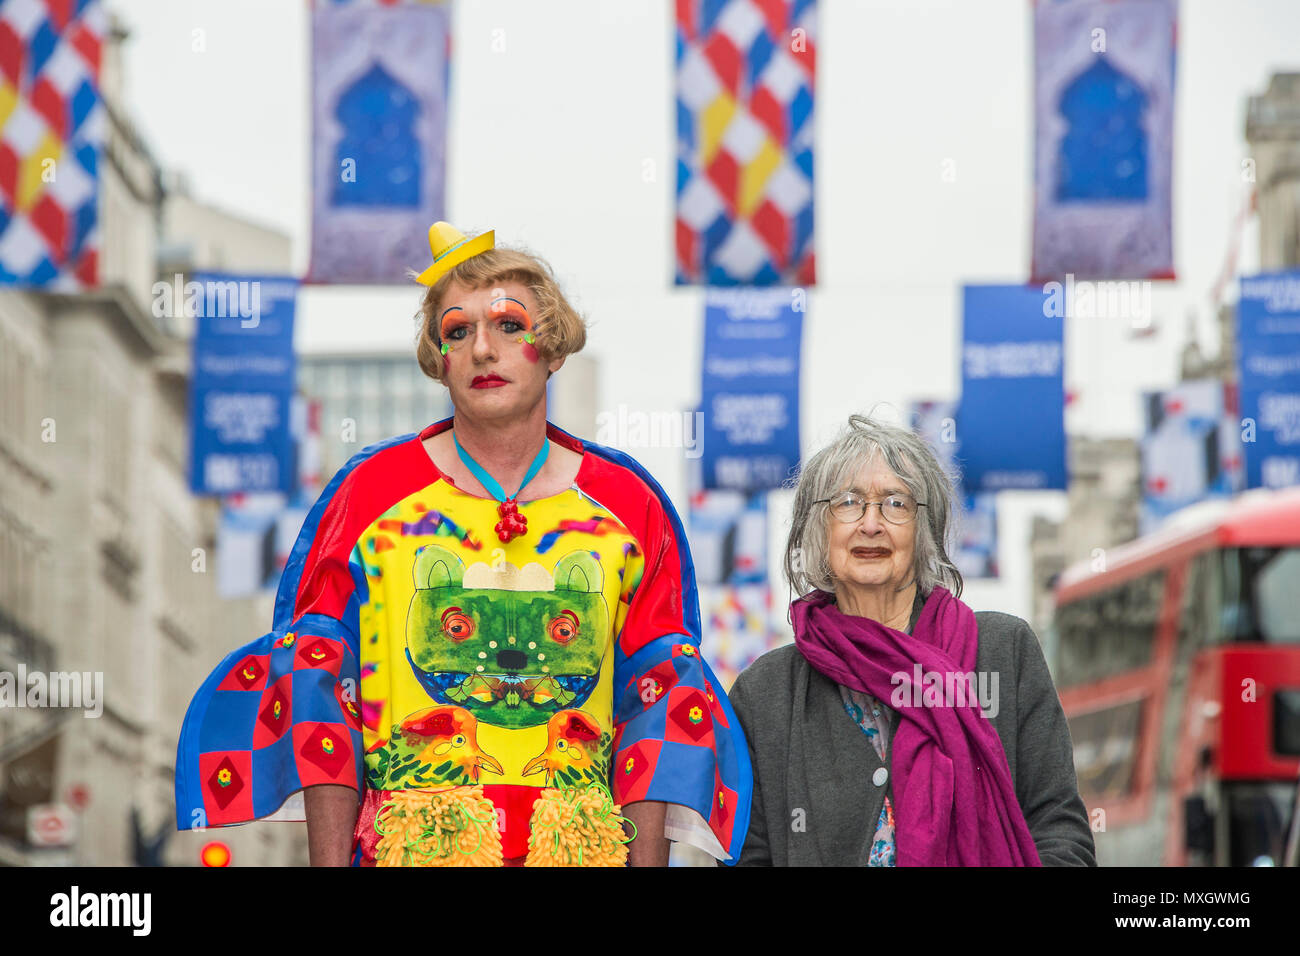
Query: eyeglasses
column 851, row 506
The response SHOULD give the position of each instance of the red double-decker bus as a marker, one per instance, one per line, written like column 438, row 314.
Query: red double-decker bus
column 1177, row 658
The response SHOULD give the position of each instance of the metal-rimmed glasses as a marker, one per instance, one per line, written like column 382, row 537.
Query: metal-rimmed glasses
column 849, row 506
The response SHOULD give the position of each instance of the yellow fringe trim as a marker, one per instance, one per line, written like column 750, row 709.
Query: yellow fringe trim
column 577, row 828
column 447, row 827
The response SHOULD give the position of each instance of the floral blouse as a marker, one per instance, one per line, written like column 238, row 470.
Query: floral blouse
column 873, row 717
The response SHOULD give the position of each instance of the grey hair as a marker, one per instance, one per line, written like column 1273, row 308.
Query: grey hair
column 831, row 470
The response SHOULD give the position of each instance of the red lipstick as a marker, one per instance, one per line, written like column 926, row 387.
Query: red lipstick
column 487, row 381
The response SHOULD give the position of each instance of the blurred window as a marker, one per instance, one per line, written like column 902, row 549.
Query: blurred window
column 1105, row 750
column 1261, row 589
column 1106, row 634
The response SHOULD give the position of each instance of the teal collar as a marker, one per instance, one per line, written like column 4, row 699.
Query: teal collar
column 491, row 484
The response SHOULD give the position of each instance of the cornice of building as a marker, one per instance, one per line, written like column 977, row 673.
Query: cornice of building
column 120, row 308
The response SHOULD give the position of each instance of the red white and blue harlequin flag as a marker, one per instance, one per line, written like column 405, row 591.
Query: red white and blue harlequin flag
column 51, row 134
column 745, row 71
column 379, row 130
column 1104, row 117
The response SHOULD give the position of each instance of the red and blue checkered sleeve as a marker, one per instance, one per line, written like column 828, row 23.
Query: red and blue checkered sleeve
column 277, row 715
column 281, row 713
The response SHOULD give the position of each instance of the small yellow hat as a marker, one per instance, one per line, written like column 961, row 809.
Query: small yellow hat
column 450, row 247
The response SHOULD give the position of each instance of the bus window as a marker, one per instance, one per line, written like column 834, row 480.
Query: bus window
column 1196, row 622
column 1261, row 589
column 1109, row 633
column 1286, row 722
column 1202, row 597
column 1105, row 750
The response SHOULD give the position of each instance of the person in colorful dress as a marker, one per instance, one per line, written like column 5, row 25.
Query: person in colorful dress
column 486, row 640
column 901, row 728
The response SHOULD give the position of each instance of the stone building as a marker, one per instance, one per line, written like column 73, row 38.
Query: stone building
column 1102, row 511
column 1273, row 134
column 105, row 557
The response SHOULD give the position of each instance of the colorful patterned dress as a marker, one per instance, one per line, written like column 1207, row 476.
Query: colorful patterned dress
column 492, row 703
column 873, row 717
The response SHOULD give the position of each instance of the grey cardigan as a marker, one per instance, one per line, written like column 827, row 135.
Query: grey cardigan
column 816, row 802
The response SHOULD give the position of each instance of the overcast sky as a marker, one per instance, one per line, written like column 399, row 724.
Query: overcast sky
column 585, row 90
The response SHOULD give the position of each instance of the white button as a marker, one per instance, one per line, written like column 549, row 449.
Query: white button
column 880, row 776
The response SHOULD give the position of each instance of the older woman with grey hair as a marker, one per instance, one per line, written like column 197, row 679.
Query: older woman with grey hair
column 970, row 764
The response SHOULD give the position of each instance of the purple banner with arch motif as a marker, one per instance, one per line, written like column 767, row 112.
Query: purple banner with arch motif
column 1104, row 126
column 379, row 129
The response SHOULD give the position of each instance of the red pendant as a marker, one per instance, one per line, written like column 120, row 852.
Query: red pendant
column 512, row 523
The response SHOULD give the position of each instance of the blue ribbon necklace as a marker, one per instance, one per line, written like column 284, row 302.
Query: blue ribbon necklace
column 512, row 523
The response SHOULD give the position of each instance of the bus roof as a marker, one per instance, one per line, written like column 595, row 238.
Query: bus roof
column 1257, row 518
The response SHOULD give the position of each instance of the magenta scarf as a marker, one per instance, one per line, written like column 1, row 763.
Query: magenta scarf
column 953, row 797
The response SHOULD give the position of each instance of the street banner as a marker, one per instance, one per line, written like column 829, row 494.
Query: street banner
column 1104, row 134
column 1268, row 350
column 379, row 128
column 976, row 554
column 52, row 127
column 975, row 550
column 745, row 71
column 256, row 532
column 728, row 537
column 750, row 388
column 242, row 384
column 736, row 629
column 1191, row 448
column 1011, row 423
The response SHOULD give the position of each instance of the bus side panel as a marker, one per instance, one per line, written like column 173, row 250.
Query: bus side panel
column 1252, row 675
